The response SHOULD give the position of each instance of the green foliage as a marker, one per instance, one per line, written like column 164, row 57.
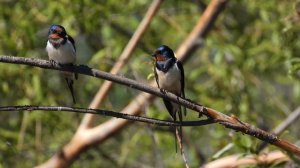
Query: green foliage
column 249, row 67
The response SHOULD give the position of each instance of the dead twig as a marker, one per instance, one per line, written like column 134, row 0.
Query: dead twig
column 294, row 116
column 106, row 113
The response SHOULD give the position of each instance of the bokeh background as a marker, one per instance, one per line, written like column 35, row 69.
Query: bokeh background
column 248, row 66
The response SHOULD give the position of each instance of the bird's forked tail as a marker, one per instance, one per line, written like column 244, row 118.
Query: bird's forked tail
column 70, row 86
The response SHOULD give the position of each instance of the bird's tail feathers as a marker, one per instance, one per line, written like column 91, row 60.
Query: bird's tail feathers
column 70, row 86
column 180, row 130
column 176, row 129
column 69, row 75
column 173, row 109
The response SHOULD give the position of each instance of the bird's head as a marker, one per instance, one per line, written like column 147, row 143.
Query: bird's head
column 57, row 35
column 164, row 58
column 56, row 32
column 163, row 53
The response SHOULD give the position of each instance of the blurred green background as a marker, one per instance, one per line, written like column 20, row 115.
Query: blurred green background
column 249, row 66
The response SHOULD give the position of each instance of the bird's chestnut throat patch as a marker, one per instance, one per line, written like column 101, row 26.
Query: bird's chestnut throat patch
column 160, row 57
column 54, row 36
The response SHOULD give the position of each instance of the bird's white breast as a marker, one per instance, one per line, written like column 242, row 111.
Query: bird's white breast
column 65, row 54
column 171, row 80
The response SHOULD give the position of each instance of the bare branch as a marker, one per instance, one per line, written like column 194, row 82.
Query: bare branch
column 294, row 116
column 106, row 113
column 231, row 122
column 205, row 23
column 237, row 161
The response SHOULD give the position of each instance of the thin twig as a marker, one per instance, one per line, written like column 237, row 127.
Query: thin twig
column 106, row 113
column 294, row 116
column 179, row 140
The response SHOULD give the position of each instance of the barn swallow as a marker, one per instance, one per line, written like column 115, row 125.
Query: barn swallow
column 169, row 75
column 61, row 50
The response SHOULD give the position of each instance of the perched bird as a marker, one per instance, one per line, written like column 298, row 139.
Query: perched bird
column 61, row 50
column 169, row 75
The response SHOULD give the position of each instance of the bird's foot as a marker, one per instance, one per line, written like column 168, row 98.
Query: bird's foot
column 53, row 63
column 162, row 90
column 202, row 111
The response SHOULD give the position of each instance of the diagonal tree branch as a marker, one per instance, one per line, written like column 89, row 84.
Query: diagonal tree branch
column 127, row 33
column 294, row 116
column 231, row 122
column 124, row 57
column 237, row 161
column 106, row 113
